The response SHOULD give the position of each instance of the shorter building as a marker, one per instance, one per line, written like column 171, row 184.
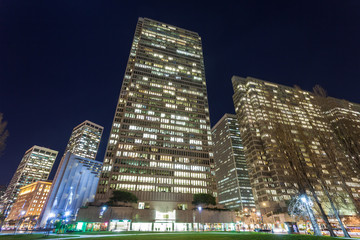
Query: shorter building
column 29, row 204
column 231, row 171
column 35, row 165
column 74, row 186
column 124, row 218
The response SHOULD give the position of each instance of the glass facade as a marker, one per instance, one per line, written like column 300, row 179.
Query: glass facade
column 160, row 141
column 74, row 186
column 234, row 189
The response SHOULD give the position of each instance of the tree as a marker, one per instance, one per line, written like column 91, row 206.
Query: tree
column 327, row 144
column 289, row 151
column 347, row 137
column 122, row 196
column 203, row 198
column 4, row 133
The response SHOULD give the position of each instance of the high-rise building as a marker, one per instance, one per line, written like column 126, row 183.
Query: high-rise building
column 283, row 131
column 77, row 176
column 232, row 176
column 74, row 186
column 85, row 139
column 35, row 165
column 29, row 204
column 160, row 141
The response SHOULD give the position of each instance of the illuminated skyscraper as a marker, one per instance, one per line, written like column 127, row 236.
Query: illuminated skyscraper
column 160, row 142
column 85, row 139
column 232, row 176
column 77, row 176
column 35, row 165
column 284, row 131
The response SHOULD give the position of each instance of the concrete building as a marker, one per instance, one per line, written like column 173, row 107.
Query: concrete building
column 28, row 205
column 74, row 186
column 296, row 115
column 232, row 176
column 160, row 142
column 35, row 165
column 85, row 139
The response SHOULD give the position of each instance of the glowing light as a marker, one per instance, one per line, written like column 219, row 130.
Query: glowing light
column 200, row 208
column 67, row 213
column 52, row 215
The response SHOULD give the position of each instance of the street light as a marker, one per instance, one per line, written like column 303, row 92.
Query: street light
column 200, row 208
column 22, row 213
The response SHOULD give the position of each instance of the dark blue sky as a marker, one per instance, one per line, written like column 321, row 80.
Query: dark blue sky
column 62, row 62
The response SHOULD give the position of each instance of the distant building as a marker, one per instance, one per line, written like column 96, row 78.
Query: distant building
column 35, row 165
column 263, row 106
column 29, row 204
column 77, row 176
column 74, row 186
column 85, row 139
column 234, row 189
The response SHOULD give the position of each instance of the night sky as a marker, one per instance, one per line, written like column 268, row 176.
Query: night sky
column 62, row 62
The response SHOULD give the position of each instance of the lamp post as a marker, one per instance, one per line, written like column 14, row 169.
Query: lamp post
column 22, row 213
column 313, row 221
column 200, row 208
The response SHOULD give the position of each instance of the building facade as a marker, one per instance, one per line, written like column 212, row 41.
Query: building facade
column 232, row 176
column 131, row 218
column 284, row 131
column 160, row 142
column 35, row 165
column 85, row 139
column 74, row 186
column 29, row 204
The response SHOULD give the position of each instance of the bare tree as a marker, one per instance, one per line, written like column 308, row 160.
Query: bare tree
column 289, row 150
column 325, row 143
column 4, row 133
column 349, row 138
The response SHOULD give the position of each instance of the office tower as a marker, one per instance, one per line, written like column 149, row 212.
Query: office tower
column 74, row 186
column 234, row 189
column 35, row 165
column 77, row 176
column 29, row 204
column 281, row 129
column 160, row 142
column 85, row 139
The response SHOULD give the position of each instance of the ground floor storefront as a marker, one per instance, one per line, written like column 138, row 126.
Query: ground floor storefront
column 118, row 225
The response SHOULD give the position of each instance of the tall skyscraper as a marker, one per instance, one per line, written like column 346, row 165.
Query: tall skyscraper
column 77, row 176
column 283, row 131
column 85, row 139
column 160, row 142
column 35, row 165
column 232, row 176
